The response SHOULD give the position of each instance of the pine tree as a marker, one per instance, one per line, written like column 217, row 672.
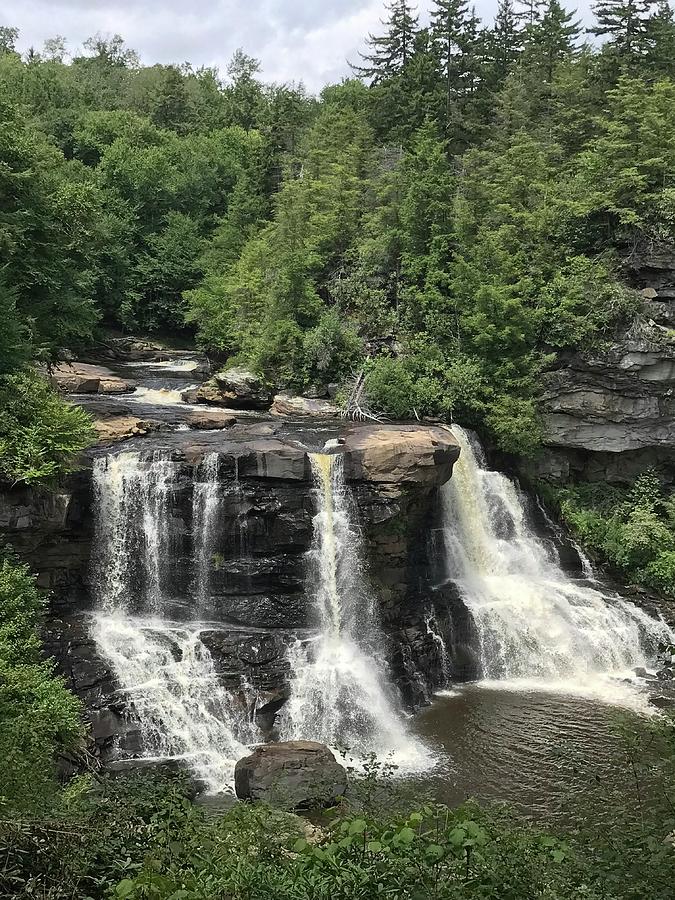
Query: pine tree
column 625, row 22
column 390, row 53
column 453, row 34
column 531, row 12
column 660, row 40
column 506, row 40
column 554, row 38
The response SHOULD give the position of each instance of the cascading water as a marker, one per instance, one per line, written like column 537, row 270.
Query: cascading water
column 162, row 666
column 340, row 694
column 205, row 504
column 533, row 622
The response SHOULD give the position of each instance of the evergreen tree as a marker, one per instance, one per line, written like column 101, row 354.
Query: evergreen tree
column 531, row 12
column 506, row 41
column 625, row 23
column 390, row 53
column 554, row 38
column 171, row 109
column 660, row 40
column 454, row 35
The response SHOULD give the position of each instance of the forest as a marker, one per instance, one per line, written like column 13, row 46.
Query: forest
column 443, row 224
column 450, row 218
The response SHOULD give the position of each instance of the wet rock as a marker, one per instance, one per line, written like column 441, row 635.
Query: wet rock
column 209, row 420
column 291, row 775
column 236, row 388
column 292, row 405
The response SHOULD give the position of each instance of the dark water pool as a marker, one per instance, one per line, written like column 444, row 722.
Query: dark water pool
column 549, row 755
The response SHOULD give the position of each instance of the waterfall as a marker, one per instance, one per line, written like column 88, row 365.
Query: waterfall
column 533, row 622
column 205, row 505
column 340, row 693
column 163, row 667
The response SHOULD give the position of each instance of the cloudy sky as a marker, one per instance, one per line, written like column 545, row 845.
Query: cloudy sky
column 307, row 40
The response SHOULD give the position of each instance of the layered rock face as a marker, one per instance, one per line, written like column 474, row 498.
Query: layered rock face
column 256, row 600
column 608, row 414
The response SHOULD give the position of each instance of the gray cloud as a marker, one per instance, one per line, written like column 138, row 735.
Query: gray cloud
column 308, row 40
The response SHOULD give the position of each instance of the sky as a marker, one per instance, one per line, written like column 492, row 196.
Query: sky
column 295, row 40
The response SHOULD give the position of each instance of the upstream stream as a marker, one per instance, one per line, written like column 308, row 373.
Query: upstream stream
column 557, row 654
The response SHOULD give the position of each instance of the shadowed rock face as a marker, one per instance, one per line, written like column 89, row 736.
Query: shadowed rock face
column 610, row 413
column 256, row 601
column 621, row 400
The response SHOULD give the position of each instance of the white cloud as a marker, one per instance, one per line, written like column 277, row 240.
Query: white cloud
column 308, row 40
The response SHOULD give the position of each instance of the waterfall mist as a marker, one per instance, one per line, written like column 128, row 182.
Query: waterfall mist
column 533, row 622
column 340, row 692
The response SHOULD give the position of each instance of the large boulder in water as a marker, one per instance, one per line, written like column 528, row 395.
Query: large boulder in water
column 291, row 774
column 398, row 454
column 304, row 407
column 235, row 388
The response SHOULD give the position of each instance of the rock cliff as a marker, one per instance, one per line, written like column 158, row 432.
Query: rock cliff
column 256, row 599
column 609, row 413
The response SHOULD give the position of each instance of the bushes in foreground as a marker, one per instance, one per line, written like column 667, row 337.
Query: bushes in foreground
column 38, row 715
column 139, row 838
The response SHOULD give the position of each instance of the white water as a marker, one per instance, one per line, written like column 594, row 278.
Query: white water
column 184, row 712
column 340, row 692
column 160, row 396
column 536, row 627
column 167, row 365
column 206, row 499
column 164, row 668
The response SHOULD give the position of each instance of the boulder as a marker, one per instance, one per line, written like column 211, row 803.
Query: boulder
column 399, row 454
column 291, row 775
column 236, row 388
column 209, row 419
column 291, row 405
column 83, row 378
column 119, row 428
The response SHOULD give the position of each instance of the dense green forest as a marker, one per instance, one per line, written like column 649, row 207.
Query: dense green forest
column 451, row 217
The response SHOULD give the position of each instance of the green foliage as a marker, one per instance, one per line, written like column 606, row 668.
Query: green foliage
column 466, row 211
column 38, row 716
column 633, row 530
column 40, row 434
column 142, row 837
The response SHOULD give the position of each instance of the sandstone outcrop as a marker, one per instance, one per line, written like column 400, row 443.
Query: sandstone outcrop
column 83, row 378
column 399, row 454
column 291, row 775
column 291, row 405
column 209, row 419
column 113, row 429
column 608, row 414
column 235, row 388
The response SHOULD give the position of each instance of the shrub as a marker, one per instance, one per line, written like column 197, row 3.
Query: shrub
column 332, row 350
column 38, row 715
column 633, row 530
column 40, row 434
column 390, row 388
